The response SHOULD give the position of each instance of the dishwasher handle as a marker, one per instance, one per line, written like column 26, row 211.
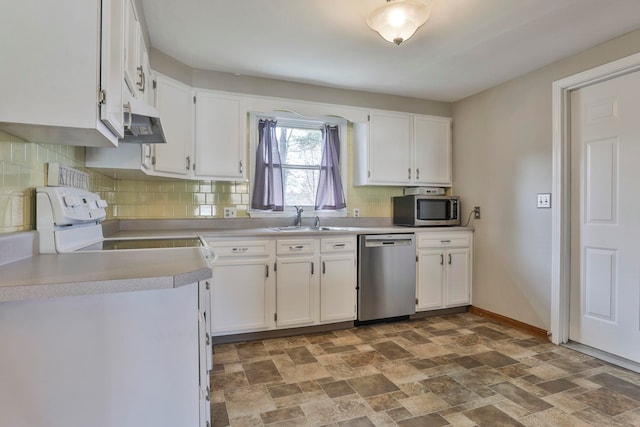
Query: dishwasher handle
column 372, row 241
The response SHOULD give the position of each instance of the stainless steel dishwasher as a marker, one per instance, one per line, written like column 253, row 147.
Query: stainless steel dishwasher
column 386, row 276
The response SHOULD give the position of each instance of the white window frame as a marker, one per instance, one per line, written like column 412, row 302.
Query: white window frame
column 293, row 119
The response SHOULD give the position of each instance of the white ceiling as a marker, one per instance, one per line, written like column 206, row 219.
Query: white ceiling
column 466, row 46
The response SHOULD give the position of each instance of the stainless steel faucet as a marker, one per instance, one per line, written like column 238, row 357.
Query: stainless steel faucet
column 298, row 216
column 316, row 222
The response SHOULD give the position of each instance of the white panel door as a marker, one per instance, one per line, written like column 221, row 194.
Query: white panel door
column 220, row 138
column 605, row 205
column 432, row 137
column 240, row 296
column 390, row 149
column 430, row 280
column 174, row 101
column 458, row 290
column 295, row 291
column 338, row 287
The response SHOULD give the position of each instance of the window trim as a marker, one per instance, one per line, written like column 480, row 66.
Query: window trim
column 294, row 119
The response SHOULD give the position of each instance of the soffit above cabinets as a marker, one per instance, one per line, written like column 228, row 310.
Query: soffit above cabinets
column 465, row 47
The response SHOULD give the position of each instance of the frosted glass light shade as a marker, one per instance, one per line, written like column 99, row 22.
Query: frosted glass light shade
column 398, row 20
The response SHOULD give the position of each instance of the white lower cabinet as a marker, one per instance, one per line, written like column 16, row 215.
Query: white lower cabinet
column 242, row 286
column 443, row 270
column 338, row 279
column 296, row 282
column 261, row 285
column 128, row 359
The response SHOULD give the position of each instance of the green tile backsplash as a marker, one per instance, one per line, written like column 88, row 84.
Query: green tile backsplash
column 23, row 168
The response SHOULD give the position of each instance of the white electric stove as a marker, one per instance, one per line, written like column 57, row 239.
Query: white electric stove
column 68, row 220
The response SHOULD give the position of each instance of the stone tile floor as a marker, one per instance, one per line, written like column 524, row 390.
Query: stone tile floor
column 457, row 370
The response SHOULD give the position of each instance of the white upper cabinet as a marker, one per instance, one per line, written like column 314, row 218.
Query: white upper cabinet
column 175, row 103
column 220, row 146
column 432, row 156
column 137, row 69
column 390, row 148
column 131, row 42
column 61, row 79
column 402, row 149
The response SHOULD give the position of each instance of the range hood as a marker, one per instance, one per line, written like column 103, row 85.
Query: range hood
column 141, row 123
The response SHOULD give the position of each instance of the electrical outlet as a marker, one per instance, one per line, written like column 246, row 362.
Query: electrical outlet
column 476, row 212
column 356, row 212
column 230, row 212
column 544, row 200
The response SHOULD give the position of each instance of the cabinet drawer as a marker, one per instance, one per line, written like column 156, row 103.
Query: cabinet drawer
column 294, row 247
column 239, row 248
column 427, row 240
column 338, row 244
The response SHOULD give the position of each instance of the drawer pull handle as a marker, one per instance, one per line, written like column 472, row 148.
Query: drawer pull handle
column 296, row 248
column 445, row 241
column 339, row 245
column 240, row 249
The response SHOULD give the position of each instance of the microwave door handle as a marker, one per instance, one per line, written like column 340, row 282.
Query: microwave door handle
column 452, row 209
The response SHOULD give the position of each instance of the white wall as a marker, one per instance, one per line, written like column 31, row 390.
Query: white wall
column 502, row 142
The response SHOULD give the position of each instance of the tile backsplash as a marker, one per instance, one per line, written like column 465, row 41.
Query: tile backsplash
column 23, row 168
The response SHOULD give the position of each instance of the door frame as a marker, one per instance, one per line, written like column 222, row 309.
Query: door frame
column 561, row 209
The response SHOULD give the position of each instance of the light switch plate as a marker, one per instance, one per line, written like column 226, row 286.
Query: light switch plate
column 544, row 200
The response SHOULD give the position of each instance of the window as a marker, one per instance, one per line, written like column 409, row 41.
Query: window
column 300, row 145
column 300, row 151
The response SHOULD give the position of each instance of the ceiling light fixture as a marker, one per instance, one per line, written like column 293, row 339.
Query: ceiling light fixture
column 397, row 20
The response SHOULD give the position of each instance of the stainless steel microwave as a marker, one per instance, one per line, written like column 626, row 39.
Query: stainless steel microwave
column 424, row 210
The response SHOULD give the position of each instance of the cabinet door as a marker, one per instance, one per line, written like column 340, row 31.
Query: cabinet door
column 295, row 291
column 337, row 288
column 458, row 288
column 220, row 140
column 240, row 297
column 143, row 82
column 432, row 160
column 390, row 148
column 131, row 36
column 430, row 279
column 173, row 100
column 112, row 65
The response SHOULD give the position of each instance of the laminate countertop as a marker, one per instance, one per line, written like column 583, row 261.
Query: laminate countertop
column 87, row 273
column 102, row 272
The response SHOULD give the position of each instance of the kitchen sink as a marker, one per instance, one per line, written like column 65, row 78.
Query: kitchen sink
column 309, row 229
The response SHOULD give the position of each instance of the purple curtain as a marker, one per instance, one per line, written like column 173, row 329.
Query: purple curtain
column 330, row 194
column 267, row 186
